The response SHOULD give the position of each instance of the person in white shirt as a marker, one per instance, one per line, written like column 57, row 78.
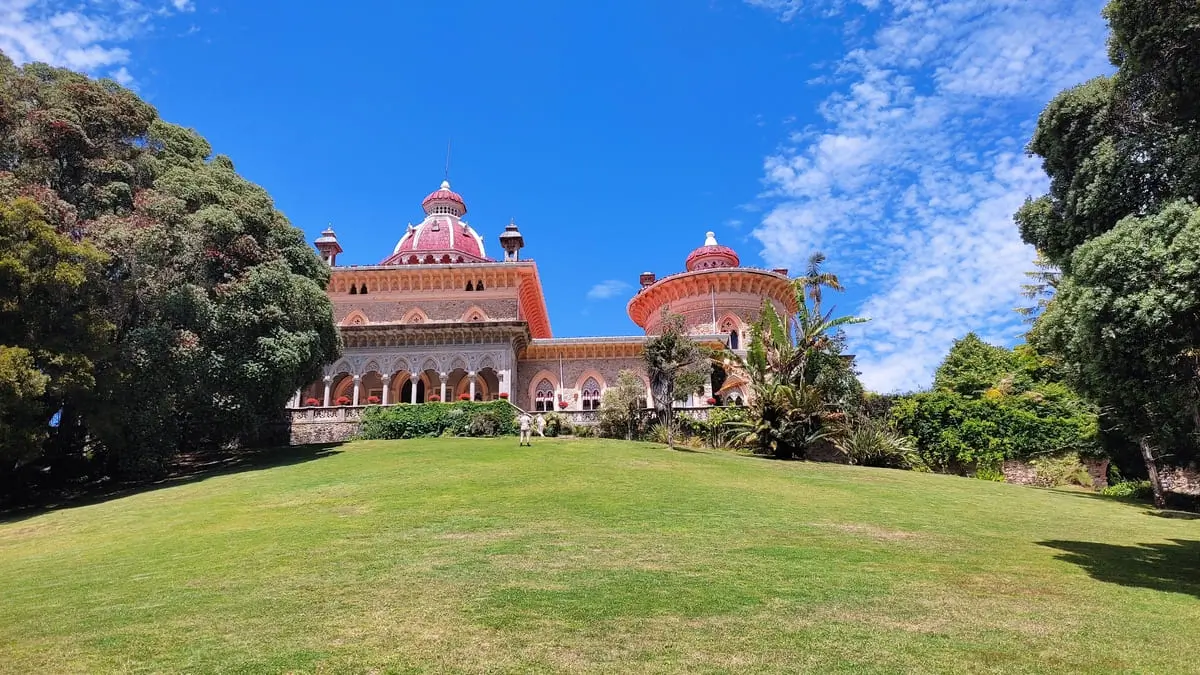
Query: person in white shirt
column 541, row 425
column 525, row 421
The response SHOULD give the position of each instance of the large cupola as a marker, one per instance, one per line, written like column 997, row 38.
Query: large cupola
column 443, row 237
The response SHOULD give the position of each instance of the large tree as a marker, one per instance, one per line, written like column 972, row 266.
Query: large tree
column 214, row 302
column 1123, row 155
column 676, row 366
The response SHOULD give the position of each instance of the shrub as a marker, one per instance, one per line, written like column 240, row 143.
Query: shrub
column 1063, row 469
column 554, row 424
column 1133, row 489
column 583, row 431
column 469, row 418
column 872, row 442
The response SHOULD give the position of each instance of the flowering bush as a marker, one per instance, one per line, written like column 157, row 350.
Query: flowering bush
column 563, row 404
column 373, row 400
column 711, row 401
column 464, row 397
column 504, row 395
column 343, row 400
column 311, row 401
column 435, row 398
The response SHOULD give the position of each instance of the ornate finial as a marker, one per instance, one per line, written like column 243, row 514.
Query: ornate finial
column 445, row 185
column 710, row 239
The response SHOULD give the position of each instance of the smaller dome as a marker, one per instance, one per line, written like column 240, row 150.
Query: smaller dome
column 712, row 255
column 444, row 200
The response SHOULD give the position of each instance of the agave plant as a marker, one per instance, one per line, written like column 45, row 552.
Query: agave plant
column 872, row 442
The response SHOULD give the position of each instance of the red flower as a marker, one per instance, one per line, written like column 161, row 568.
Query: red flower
column 711, row 401
column 311, row 401
column 373, row 400
column 464, row 397
column 343, row 400
column 563, row 404
column 504, row 394
column 435, row 398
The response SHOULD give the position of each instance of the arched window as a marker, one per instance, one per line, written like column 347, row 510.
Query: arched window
column 479, row 285
column 730, row 327
column 363, row 290
column 543, row 397
column 591, row 394
column 353, row 289
column 470, row 286
column 733, row 339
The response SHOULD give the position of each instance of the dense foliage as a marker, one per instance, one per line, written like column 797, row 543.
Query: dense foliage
column 1121, row 221
column 154, row 301
column 422, row 420
column 990, row 404
column 621, row 407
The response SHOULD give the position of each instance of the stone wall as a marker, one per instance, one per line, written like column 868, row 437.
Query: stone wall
column 1024, row 473
column 1184, row 481
column 323, row 425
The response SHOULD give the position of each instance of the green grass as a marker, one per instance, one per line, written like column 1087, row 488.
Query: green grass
column 462, row 555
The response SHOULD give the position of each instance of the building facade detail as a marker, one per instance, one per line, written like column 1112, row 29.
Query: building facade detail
column 439, row 320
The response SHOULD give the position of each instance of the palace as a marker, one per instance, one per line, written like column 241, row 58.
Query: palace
column 439, row 320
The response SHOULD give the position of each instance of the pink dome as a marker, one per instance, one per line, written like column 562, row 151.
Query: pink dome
column 443, row 237
column 712, row 255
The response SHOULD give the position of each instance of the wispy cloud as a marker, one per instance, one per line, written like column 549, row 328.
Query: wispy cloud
column 910, row 182
column 88, row 36
column 608, row 289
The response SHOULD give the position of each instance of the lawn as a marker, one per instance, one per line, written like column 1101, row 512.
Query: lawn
column 465, row 555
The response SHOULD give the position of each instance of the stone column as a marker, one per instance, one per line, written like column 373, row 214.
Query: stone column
column 357, row 378
column 297, row 399
column 415, row 380
column 443, row 377
column 387, row 385
column 505, row 385
column 471, row 382
column 328, row 384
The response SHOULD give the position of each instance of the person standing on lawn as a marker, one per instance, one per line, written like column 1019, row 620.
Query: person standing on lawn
column 525, row 423
column 541, row 425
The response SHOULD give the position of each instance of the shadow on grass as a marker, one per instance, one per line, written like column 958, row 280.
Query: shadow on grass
column 184, row 473
column 1173, row 566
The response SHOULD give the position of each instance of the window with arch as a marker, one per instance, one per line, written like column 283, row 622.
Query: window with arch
column 543, row 396
column 353, row 289
column 363, row 290
column 470, row 286
column 730, row 327
column 479, row 285
column 590, row 394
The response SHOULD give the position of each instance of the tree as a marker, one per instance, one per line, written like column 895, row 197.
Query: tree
column 672, row 358
column 972, row 366
column 1123, row 156
column 51, row 327
column 214, row 303
column 621, row 407
column 797, row 373
column 1040, row 287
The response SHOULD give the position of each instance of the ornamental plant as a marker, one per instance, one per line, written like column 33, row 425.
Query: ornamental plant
column 311, row 401
column 343, row 400
column 711, row 401
column 373, row 400
column 435, row 398
column 562, row 404
column 464, row 397
column 504, row 395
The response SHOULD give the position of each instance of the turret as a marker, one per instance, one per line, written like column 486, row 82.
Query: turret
column 512, row 242
column 327, row 245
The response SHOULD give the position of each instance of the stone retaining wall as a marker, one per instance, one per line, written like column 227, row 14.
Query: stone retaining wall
column 1184, row 481
column 1024, row 473
column 323, row 425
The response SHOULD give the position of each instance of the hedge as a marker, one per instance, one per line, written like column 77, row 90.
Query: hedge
column 466, row 418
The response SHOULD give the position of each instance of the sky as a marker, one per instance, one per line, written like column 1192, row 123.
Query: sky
column 887, row 134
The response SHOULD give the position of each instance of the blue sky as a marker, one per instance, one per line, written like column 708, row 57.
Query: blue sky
column 887, row 134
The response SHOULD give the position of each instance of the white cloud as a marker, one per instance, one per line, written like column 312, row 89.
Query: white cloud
column 910, row 183
column 87, row 36
column 608, row 289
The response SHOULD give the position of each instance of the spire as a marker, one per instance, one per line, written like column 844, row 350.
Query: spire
column 710, row 239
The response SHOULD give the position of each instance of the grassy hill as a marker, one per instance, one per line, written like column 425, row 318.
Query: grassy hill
column 466, row 555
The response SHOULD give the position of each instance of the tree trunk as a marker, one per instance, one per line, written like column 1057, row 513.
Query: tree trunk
column 1152, row 469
